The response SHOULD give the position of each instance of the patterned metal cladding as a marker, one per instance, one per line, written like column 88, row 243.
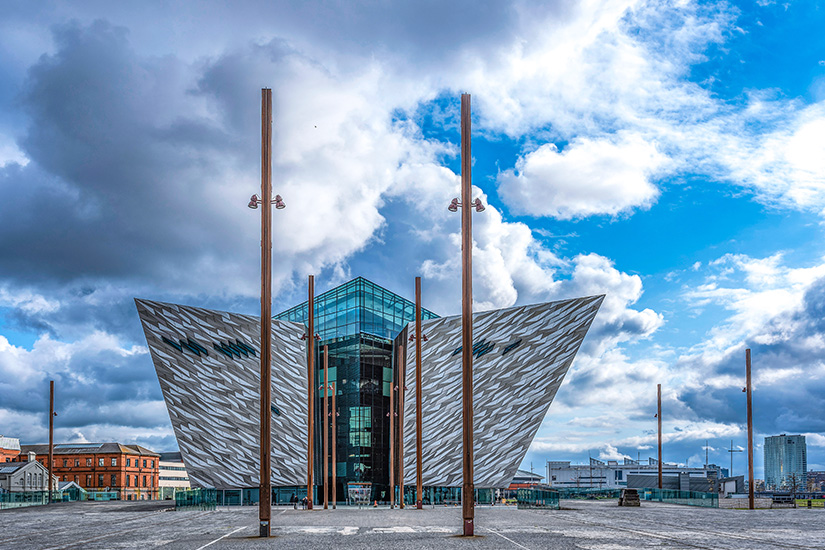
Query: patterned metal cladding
column 521, row 355
column 208, row 365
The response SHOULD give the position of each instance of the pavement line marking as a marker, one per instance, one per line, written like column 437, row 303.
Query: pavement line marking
column 505, row 538
column 223, row 537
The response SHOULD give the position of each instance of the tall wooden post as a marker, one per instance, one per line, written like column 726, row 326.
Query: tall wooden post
column 392, row 444
column 468, row 487
column 659, row 416
column 334, row 445
column 419, row 490
column 325, row 444
column 49, row 483
column 265, row 491
column 749, row 390
column 402, row 376
column 311, row 386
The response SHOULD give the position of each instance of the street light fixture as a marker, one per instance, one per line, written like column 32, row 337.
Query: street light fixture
column 265, row 494
column 254, row 201
column 467, row 488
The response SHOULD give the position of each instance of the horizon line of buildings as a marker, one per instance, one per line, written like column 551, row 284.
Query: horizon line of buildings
column 132, row 472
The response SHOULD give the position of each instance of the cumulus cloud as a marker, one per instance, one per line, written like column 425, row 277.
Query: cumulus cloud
column 775, row 310
column 589, row 176
column 103, row 389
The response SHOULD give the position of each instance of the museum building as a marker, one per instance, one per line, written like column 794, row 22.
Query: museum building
column 207, row 365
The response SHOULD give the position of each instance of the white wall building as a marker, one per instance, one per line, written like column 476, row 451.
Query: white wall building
column 613, row 475
column 172, row 476
column 24, row 477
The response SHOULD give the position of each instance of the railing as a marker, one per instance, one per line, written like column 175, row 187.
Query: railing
column 686, row 498
column 537, row 499
column 19, row 499
column 588, row 493
column 196, row 499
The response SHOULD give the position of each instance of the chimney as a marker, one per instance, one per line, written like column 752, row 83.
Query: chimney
column 32, row 456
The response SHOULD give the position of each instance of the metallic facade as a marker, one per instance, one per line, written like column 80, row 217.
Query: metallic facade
column 521, row 355
column 208, row 366
column 209, row 371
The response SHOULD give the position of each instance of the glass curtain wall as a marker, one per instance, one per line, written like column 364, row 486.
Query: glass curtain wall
column 358, row 322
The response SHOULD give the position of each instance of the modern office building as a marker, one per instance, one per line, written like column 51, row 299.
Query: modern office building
column 786, row 462
column 172, row 476
column 612, row 474
column 207, row 364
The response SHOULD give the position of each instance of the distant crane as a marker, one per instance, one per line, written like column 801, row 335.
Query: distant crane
column 731, row 451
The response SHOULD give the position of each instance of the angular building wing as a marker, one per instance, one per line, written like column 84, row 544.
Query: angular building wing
column 209, row 371
column 520, row 357
column 208, row 366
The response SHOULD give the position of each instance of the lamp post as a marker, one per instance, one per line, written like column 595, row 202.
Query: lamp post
column 325, row 443
column 402, row 377
column 334, row 415
column 467, row 488
column 311, row 386
column 659, row 416
column 391, row 414
column 749, row 390
column 418, row 337
column 265, row 500
column 52, row 414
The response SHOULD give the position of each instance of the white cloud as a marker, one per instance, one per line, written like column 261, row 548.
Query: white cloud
column 27, row 301
column 589, row 176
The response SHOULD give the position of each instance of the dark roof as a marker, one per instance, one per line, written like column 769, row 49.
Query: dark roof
column 87, row 448
column 524, row 474
column 10, row 467
column 171, row 457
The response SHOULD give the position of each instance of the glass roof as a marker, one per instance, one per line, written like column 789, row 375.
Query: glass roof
column 355, row 307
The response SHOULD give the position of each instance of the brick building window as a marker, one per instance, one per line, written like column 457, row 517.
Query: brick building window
column 65, row 462
column 100, row 480
column 144, row 462
column 136, row 482
column 77, row 462
column 114, row 462
column 88, row 462
column 114, row 480
column 88, row 480
column 128, row 462
column 77, row 479
column 100, row 461
column 144, row 481
column 127, row 481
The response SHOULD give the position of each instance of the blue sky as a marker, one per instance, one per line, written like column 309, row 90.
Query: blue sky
column 668, row 154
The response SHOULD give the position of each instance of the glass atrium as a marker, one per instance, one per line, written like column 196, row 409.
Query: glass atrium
column 358, row 321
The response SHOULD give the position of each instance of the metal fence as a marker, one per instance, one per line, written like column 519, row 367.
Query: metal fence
column 19, row 499
column 810, row 503
column 537, row 499
column 687, row 498
column 588, row 493
column 196, row 499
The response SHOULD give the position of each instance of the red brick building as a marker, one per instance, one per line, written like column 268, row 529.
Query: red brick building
column 9, row 448
column 130, row 470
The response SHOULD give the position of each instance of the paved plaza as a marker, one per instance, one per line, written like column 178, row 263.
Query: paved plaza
column 590, row 525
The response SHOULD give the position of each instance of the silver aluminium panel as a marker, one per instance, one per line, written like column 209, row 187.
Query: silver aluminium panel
column 208, row 364
column 521, row 355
